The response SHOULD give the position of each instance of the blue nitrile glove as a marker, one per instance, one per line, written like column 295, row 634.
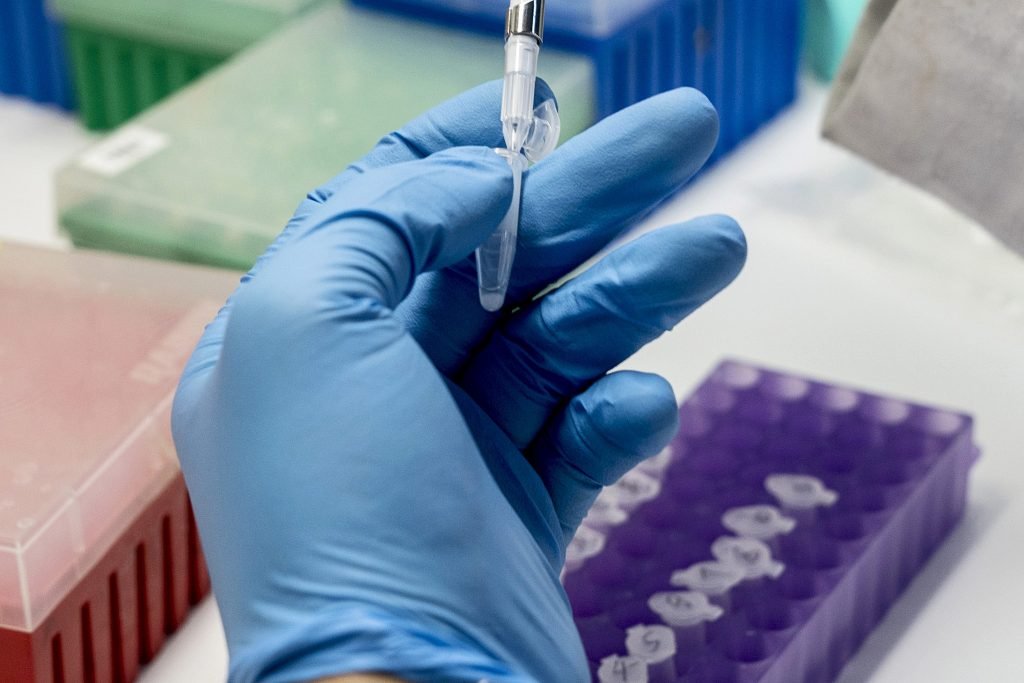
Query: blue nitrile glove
column 384, row 475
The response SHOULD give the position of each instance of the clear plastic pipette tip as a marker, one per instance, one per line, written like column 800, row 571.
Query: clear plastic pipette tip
column 521, row 54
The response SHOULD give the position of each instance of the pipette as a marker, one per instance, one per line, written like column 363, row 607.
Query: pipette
column 524, row 32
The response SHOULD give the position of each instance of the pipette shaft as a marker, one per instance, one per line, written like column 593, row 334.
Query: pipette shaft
column 524, row 32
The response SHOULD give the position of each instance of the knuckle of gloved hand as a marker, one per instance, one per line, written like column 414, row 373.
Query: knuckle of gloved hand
column 627, row 425
column 281, row 301
column 598, row 457
column 182, row 414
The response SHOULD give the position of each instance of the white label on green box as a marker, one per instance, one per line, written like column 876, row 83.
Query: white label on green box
column 123, row 150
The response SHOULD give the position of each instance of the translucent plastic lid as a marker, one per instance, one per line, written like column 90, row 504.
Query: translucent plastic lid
column 635, row 488
column 91, row 347
column 619, row 669
column 585, row 544
column 215, row 26
column 800, row 491
column 652, row 644
column 683, row 608
column 606, row 511
column 752, row 556
column 763, row 522
column 213, row 173
column 709, row 578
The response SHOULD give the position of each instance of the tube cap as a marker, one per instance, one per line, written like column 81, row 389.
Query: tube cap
column 748, row 554
column 683, row 608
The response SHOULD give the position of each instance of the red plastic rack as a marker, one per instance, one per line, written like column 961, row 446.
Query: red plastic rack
column 99, row 556
column 118, row 616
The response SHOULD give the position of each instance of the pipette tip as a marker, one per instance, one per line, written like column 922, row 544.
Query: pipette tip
column 515, row 133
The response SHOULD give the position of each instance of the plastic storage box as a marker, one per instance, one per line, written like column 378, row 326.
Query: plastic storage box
column 582, row 20
column 127, row 55
column 743, row 54
column 99, row 558
column 213, row 174
column 829, row 28
column 772, row 535
column 32, row 61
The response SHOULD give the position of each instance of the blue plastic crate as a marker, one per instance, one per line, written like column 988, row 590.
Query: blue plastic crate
column 564, row 19
column 32, row 61
column 743, row 54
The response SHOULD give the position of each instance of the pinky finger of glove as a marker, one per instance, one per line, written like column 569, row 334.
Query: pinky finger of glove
column 600, row 435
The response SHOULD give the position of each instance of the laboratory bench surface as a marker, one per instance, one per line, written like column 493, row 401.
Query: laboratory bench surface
column 853, row 277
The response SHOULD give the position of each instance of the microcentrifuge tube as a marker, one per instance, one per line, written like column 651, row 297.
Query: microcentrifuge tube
column 655, row 645
column 686, row 613
column 636, row 488
column 605, row 513
column 585, row 544
column 750, row 555
column 618, row 669
column 494, row 258
column 656, row 465
column 531, row 133
column 763, row 522
column 715, row 579
column 800, row 495
column 757, row 521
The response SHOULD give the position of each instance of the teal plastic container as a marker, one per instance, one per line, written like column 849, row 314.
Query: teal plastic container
column 829, row 28
column 126, row 56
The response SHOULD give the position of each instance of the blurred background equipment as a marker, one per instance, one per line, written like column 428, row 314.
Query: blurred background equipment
column 829, row 26
column 212, row 174
column 32, row 59
column 185, row 181
column 99, row 557
column 126, row 56
column 932, row 91
column 743, row 54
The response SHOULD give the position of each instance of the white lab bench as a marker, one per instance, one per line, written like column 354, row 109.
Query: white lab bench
column 852, row 277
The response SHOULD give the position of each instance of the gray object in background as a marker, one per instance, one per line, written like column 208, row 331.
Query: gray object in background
column 933, row 91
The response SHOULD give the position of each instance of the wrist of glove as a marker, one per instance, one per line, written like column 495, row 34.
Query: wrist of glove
column 355, row 637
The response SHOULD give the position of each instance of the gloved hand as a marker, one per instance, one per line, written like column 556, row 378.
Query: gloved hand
column 384, row 475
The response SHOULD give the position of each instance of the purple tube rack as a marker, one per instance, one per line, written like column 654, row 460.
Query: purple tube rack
column 900, row 471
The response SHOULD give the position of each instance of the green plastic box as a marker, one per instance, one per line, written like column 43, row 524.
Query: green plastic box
column 126, row 55
column 212, row 174
column 829, row 28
